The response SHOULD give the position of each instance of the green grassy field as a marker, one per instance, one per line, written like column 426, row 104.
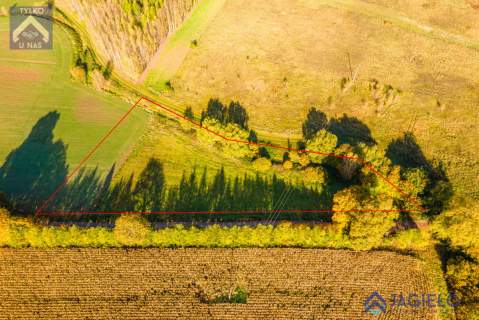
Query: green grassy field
column 279, row 60
column 179, row 153
column 34, row 83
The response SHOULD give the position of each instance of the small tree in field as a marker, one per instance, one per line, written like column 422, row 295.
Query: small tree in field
column 189, row 113
column 253, row 137
column 262, row 164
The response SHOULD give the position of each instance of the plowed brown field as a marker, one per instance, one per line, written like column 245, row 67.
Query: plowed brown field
column 166, row 283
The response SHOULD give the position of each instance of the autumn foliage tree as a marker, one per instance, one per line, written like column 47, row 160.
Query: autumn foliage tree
column 132, row 230
column 323, row 143
column 363, row 217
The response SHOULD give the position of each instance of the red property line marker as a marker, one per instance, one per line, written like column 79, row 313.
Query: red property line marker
column 39, row 211
column 252, row 212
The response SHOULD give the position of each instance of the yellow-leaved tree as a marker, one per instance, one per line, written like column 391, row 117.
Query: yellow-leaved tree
column 132, row 230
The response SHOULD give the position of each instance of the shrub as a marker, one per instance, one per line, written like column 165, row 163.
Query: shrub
column 253, row 137
column 3, row 11
column 314, row 176
column 231, row 131
column 304, row 160
column 98, row 81
column 459, row 227
column 294, row 157
column 263, row 153
column 4, row 227
column 189, row 113
column 132, row 230
column 262, row 164
column 463, row 276
column 169, row 86
column 78, row 73
column 288, row 165
column 410, row 239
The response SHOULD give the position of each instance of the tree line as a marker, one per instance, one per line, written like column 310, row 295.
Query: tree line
column 233, row 113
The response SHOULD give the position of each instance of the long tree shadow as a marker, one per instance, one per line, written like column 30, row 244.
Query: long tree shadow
column 407, row 153
column 88, row 193
column 351, row 130
column 32, row 171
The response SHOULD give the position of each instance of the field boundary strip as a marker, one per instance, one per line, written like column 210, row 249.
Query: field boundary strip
column 39, row 211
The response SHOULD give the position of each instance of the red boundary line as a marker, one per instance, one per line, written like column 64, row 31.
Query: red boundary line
column 368, row 165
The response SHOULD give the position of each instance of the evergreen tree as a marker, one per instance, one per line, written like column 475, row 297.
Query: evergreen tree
column 216, row 110
column 263, row 153
column 252, row 136
column 189, row 113
column 237, row 114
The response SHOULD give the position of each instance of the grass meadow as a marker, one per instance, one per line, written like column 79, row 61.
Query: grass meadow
column 281, row 59
column 35, row 83
column 180, row 153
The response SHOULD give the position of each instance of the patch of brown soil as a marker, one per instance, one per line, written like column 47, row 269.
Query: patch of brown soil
column 89, row 109
column 9, row 73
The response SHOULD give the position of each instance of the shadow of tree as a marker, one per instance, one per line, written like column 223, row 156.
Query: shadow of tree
column 351, row 130
column 32, row 171
column 407, row 153
column 88, row 193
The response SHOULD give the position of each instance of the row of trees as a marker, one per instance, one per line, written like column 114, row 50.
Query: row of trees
column 457, row 230
column 233, row 113
column 136, row 231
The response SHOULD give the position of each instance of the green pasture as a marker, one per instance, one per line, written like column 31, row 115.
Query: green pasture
column 36, row 83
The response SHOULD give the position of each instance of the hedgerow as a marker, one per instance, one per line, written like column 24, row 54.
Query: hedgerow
column 135, row 231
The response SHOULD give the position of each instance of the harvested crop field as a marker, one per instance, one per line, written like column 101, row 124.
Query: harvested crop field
column 182, row 283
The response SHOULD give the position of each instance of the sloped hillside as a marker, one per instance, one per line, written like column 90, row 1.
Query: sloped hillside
column 128, row 32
